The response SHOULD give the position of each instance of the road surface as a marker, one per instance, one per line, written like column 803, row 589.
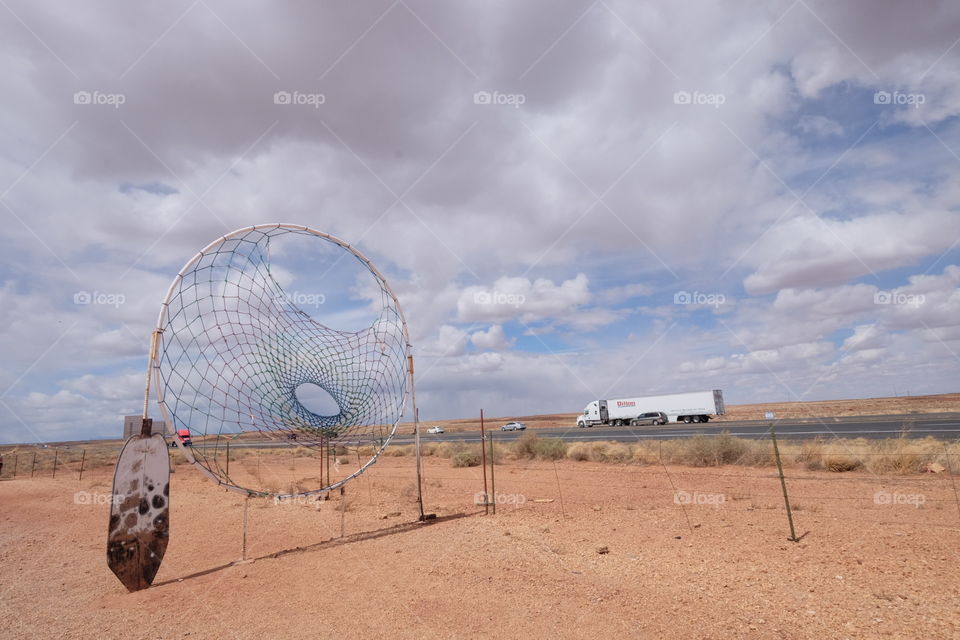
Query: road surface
column 941, row 426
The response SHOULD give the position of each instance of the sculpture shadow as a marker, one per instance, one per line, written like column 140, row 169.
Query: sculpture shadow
column 403, row 527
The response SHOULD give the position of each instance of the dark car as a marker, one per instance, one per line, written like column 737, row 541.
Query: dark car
column 651, row 417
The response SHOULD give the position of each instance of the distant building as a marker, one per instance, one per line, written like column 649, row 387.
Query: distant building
column 131, row 425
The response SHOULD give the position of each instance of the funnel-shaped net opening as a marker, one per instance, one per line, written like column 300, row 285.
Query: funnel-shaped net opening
column 235, row 347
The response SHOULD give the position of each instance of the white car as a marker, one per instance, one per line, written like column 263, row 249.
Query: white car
column 513, row 426
column 435, row 430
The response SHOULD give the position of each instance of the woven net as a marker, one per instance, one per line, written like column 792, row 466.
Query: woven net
column 236, row 349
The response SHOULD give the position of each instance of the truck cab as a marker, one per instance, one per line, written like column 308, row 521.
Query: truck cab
column 592, row 414
column 183, row 437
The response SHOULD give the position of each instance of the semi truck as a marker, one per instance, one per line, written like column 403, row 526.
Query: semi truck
column 696, row 406
column 183, row 435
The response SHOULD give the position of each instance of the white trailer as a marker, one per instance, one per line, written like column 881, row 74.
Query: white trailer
column 696, row 406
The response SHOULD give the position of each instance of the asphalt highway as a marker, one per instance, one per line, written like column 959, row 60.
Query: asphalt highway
column 942, row 426
column 947, row 428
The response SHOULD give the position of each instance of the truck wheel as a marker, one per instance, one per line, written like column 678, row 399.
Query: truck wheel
column 686, row 419
column 704, row 418
column 695, row 418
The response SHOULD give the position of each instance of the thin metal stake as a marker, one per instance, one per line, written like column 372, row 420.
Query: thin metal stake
column 416, row 426
column 783, row 484
column 493, row 482
column 670, row 478
column 343, row 511
column 483, row 456
column 956, row 497
column 83, row 458
column 15, row 465
column 34, row 464
column 56, row 457
column 416, row 431
column 563, row 512
column 246, row 504
column 228, row 458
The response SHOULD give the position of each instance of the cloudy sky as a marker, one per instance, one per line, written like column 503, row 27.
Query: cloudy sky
column 572, row 200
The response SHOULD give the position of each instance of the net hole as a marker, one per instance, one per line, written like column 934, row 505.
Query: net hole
column 316, row 400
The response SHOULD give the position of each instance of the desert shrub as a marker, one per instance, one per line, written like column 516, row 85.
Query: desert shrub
column 531, row 446
column 715, row 451
column 500, row 453
column 615, row 452
column 466, row 458
column 597, row 451
column 842, row 463
column 550, row 449
column 900, row 455
column 811, row 455
column 578, row 451
column 696, row 452
column 730, row 449
column 759, row 453
column 429, row 448
column 398, row 450
column 524, row 446
column 642, row 455
column 446, row 449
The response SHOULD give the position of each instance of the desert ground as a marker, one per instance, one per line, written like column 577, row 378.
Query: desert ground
column 576, row 548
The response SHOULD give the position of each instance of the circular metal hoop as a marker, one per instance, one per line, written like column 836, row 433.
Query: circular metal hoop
column 163, row 318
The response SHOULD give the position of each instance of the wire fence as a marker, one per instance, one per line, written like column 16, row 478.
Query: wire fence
column 573, row 489
column 928, row 501
column 48, row 463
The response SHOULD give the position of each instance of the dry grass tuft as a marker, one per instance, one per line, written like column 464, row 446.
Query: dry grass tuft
column 466, row 458
column 531, row 446
column 716, row 451
column 842, row 463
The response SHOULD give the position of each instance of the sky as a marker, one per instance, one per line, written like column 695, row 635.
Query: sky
column 572, row 200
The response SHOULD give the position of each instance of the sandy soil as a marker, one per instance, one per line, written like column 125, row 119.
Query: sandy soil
column 576, row 549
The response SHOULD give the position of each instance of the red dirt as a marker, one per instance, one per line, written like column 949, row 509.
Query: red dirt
column 861, row 570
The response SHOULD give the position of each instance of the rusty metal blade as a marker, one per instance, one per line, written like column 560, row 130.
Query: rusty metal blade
column 140, row 511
